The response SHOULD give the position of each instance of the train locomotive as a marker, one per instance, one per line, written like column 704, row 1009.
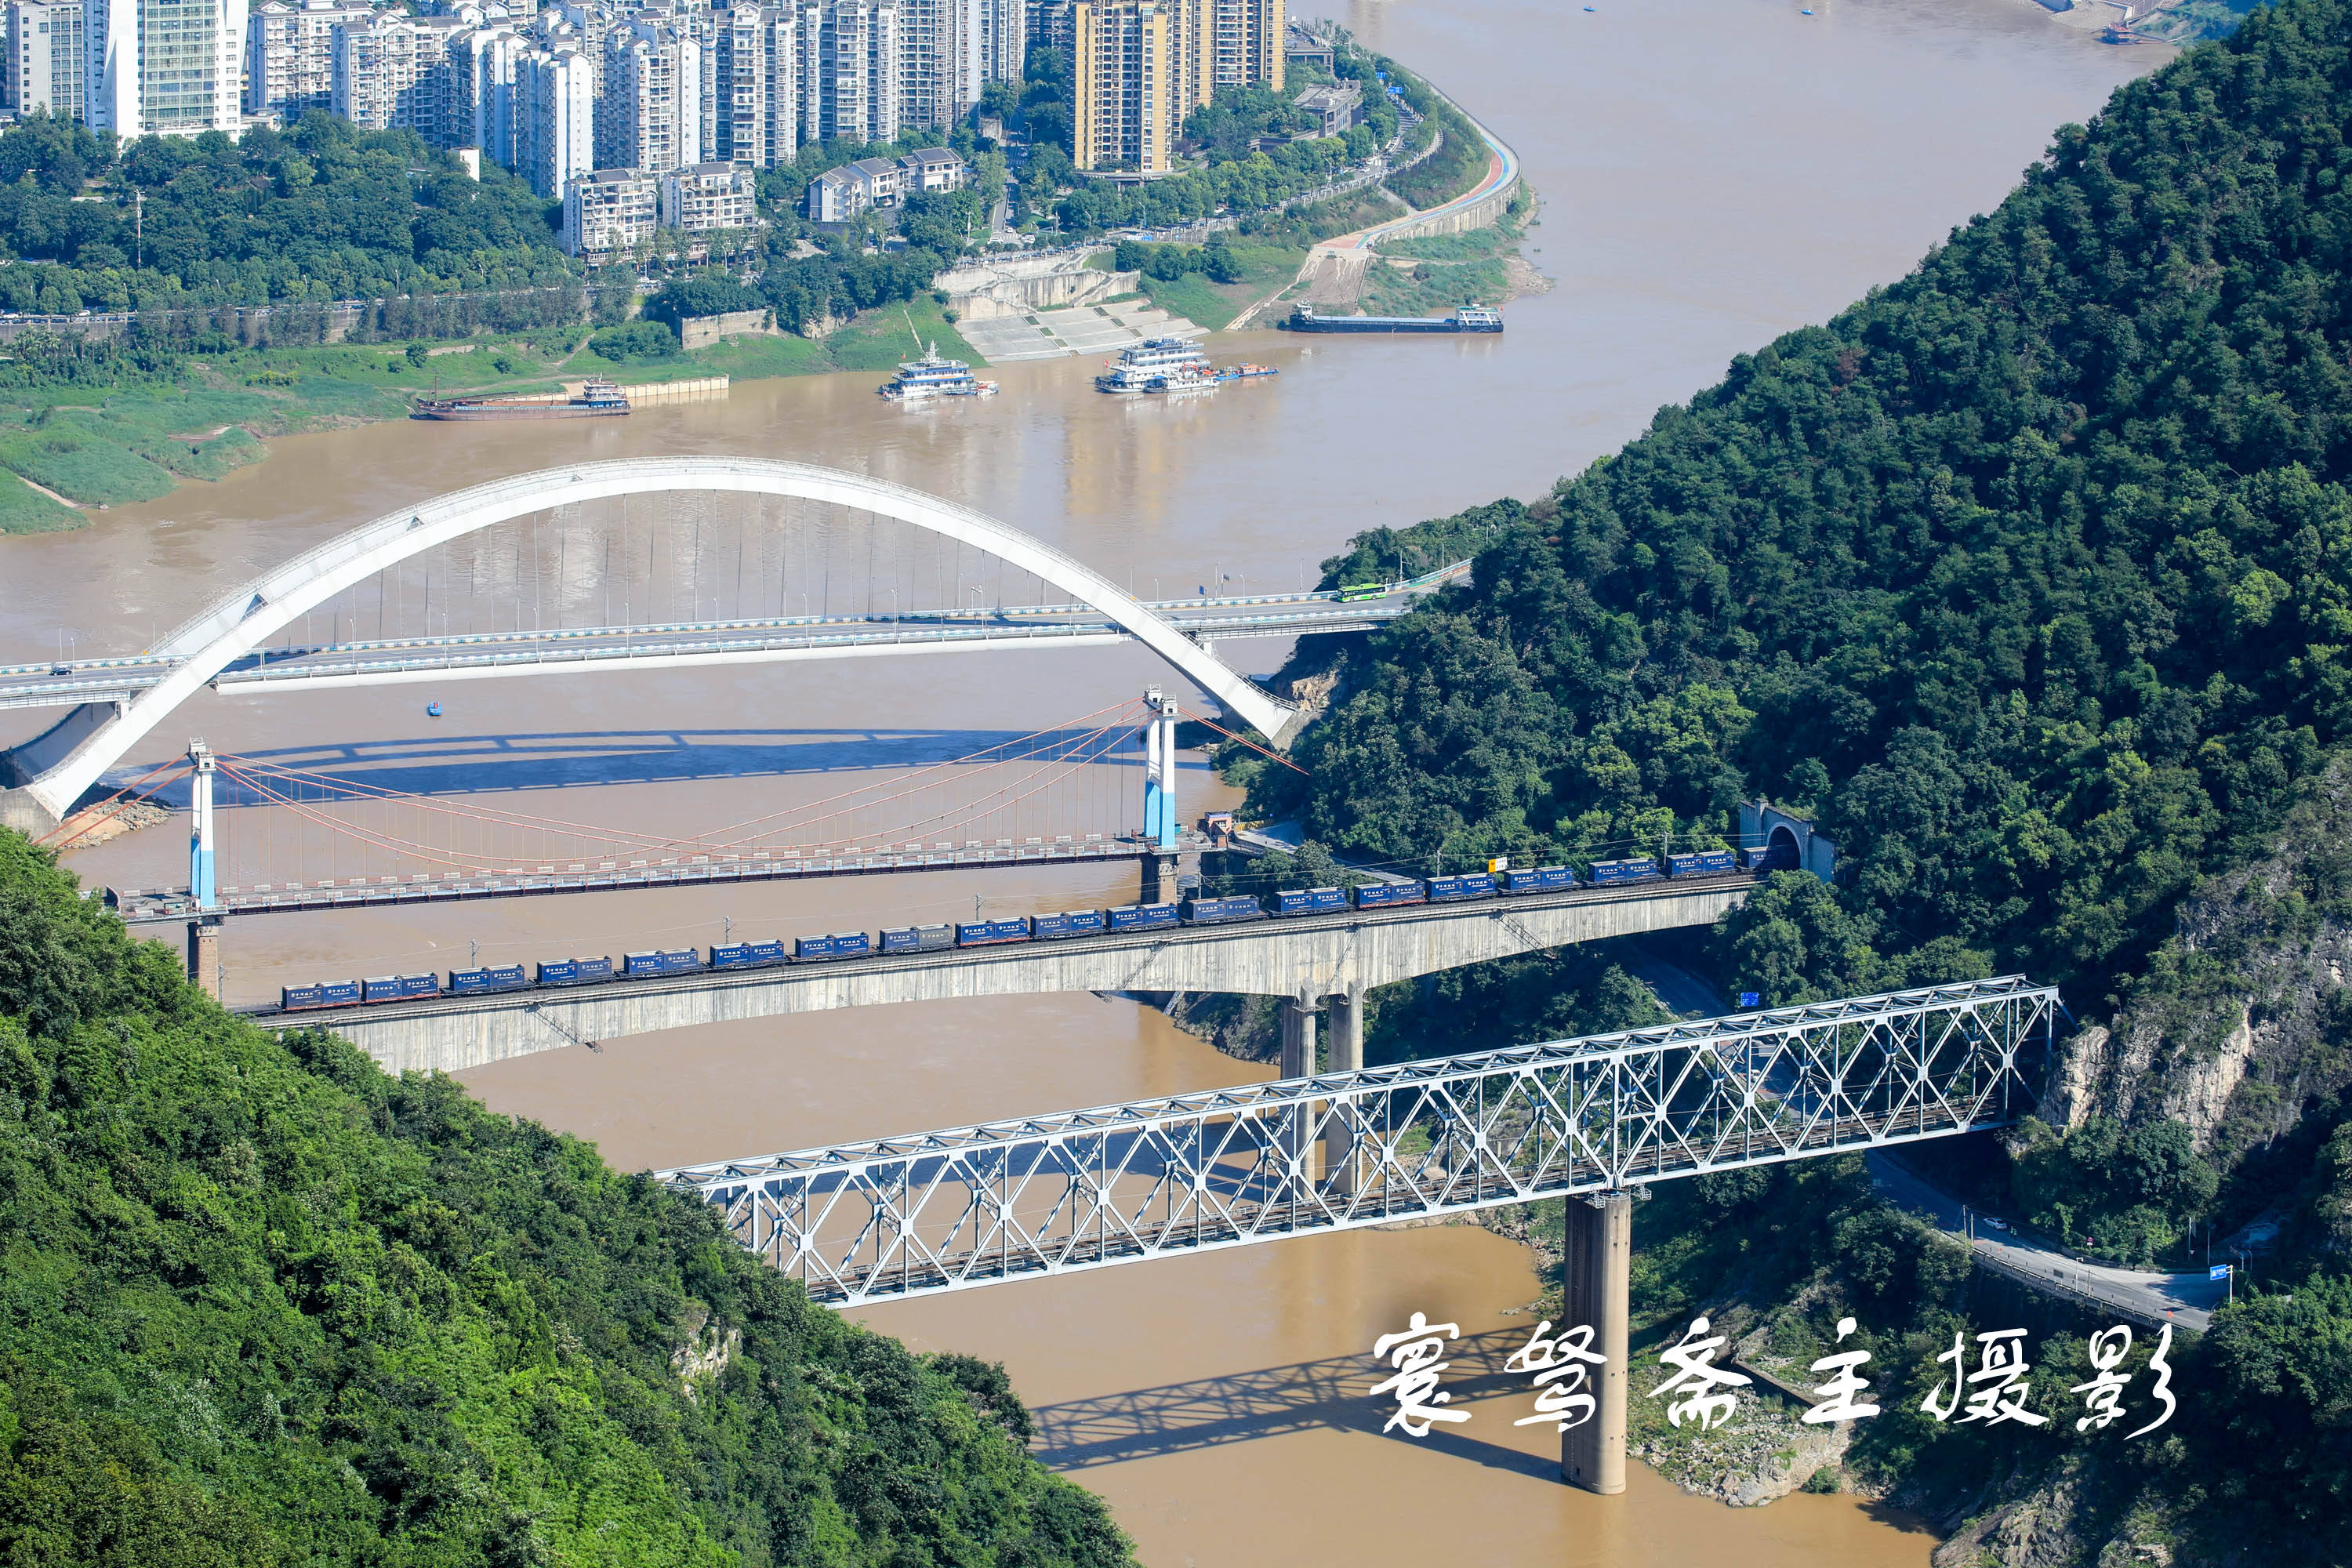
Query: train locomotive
column 1289, row 903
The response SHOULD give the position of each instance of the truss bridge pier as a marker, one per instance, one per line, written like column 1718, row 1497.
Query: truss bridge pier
column 1591, row 1120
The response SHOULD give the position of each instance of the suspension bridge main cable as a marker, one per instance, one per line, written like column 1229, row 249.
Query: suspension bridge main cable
column 285, row 787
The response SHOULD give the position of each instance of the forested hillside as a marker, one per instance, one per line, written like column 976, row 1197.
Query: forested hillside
column 2030, row 578
column 260, row 1304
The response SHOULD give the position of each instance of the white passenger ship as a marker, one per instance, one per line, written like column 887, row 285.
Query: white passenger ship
column 931, row 376
column 1159, row 364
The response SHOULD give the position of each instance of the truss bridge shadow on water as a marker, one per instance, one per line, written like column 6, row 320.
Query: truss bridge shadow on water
column 1329, row 1395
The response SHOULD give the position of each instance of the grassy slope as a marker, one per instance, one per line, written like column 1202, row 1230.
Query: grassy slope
column 1214, row 305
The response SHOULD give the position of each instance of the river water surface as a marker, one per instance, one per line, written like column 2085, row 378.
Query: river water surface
column 1715, row 172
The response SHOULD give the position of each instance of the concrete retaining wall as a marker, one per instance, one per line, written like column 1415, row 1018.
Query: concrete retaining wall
column 1266, row 959
column 701, row 331
column 1483, row 212
column 1022, row 286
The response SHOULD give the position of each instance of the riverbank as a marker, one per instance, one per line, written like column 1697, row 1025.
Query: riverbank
column 69, row 448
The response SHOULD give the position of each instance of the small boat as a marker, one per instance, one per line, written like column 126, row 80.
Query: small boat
column 433, row 709
column 1246, row 371
column 597, row 398
column 919, row 380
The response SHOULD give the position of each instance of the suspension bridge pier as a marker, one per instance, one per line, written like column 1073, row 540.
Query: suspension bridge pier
column 1598, row 1291
column 204, row 930
column 204, row 954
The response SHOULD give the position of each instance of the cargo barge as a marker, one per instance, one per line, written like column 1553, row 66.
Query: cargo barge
column 1468, row 319
column 597, row 399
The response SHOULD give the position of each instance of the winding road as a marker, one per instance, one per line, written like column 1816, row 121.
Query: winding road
column 2149, row 1298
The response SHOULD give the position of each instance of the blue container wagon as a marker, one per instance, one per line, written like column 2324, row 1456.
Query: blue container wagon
column 833, row 944
column 1310, row 900
column 1616, row 873
column 918, row 939
column 1539, row 879
column 750, row 954
column 399, row 987
column 1468, row 885
column 1381, row 895
column 490, row 977
column 668, row 960
column 1701, row 863
column 1141, row 917
column 1070, row 922
column 987, row 934
column 1199, row 912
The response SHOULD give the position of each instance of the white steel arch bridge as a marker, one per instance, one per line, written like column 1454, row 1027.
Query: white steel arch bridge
column 122, row 700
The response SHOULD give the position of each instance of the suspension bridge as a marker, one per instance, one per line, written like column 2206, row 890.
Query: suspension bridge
column 1594, row 1119
column 637, row 563
column 311, row 839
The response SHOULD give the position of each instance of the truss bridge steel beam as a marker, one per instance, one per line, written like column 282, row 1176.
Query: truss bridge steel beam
column 971, row 1206
column 58, row 768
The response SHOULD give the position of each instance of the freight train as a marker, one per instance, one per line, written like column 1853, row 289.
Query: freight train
column 1290, row 903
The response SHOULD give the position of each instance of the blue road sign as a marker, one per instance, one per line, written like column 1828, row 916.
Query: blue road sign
column 2217, row 1271
column 1751, row 998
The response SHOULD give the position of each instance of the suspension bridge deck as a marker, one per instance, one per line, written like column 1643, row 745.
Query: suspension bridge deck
column 148, row 906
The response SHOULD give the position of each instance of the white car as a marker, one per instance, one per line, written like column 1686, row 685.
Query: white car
column 1996, row 1224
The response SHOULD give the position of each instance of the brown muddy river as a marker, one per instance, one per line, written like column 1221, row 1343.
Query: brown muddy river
column 1714, row 173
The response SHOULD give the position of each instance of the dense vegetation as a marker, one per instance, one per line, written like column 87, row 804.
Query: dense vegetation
column 323, row 211
column 2030, row 578
column 260, row 1304
column 1229, row 173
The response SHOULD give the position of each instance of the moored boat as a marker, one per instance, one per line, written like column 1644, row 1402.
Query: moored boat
column 1468, row 319
column 919, row 380
column 597, row 399
column 1158, row 365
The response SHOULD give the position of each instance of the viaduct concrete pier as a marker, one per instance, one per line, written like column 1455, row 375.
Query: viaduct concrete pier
column 1304, row 961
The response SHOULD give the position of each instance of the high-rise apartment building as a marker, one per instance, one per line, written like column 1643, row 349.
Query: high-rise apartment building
column 1053, row 23
column 290, row 55
column 755, row 86
column 555, row 120
column 46, row 62
column 849, row 57
column 1003, row 39
column 939, row 68
column 1248, row 43
column 650, row 116
column 168, row 67
column 481, row 109
column 1125, row 85
column 414, row 73
column 372, row 83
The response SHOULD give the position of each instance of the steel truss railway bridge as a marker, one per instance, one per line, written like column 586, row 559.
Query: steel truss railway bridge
column 1594, row 1119
column 117, row 700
